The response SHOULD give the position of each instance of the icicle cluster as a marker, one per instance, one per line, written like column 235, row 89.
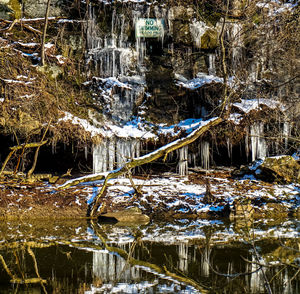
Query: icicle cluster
column 114, row 152
column 183, row 161
column 258, row 142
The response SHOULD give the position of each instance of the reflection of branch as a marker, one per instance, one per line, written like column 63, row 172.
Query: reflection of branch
column 28, row 281
column 295, row 275
column 160, row 270
column 6, row 267
column 23, row 280
column 236, row 274
column 30, row 252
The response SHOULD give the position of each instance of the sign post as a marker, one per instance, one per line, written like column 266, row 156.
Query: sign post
column 149, row 28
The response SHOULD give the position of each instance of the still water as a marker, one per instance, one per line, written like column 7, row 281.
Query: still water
column 204, row 256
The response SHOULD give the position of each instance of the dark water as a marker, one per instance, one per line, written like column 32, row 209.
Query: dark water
column 182, row 257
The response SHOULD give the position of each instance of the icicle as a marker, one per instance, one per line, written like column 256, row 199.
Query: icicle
column 286, row 133
column 121, row 40
column 258, row 142
column 111, row 154
column 197, row 30
column 100, row 157
column 183, row 163
column 247, row 148
column 204, row 150
column 237, row 45
column 85, row 152
column 212, row 64
column 229, row 148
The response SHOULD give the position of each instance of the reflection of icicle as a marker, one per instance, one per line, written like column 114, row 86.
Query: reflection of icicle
column 183, row 161
column 53, row 145
column 258, row 142
column 204, row 147
column 287, row 282
column 110, row 268
column 205, row 260
column 257, row 279
column 183, row 250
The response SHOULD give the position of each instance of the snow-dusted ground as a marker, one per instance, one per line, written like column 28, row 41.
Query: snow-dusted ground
column 181, row 195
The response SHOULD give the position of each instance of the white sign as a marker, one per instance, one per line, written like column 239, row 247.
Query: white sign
column 149, row 28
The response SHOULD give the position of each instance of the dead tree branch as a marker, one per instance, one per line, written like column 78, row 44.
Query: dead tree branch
column 161, row 152
column 22, row 146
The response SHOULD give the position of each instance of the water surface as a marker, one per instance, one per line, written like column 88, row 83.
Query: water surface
column 182, row 257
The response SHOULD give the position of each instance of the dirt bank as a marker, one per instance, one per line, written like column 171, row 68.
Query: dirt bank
column 162, row 197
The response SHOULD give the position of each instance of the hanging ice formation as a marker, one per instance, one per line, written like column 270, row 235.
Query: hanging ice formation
column 204, row 150
column 212, row 64
column 236, row 45
column 119, row 61
column 258, row 142
column 121, row 85
column 114, row 152
column 286, row 133
column 183, row 161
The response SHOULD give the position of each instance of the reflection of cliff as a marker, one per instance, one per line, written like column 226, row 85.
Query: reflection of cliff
column 153, row 266
column 220, row 265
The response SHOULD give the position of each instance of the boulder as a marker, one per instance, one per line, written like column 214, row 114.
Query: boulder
column 283, row 169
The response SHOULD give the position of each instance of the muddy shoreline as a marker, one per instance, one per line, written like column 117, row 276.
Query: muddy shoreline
column 164, row 197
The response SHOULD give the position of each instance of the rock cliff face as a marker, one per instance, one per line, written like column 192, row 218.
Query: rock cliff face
column 179, row 73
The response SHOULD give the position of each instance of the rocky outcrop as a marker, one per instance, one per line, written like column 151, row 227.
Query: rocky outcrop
column 282, row 169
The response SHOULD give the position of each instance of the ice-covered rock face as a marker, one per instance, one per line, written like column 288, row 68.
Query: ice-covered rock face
column 176, row 75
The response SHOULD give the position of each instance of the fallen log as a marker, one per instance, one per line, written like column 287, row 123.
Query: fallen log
column 135, row 162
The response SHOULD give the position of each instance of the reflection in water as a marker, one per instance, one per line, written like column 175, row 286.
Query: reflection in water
column 89, row 258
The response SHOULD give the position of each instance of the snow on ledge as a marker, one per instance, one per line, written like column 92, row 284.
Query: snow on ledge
column 247, row 105
column 201, row 80
column 136, row 128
